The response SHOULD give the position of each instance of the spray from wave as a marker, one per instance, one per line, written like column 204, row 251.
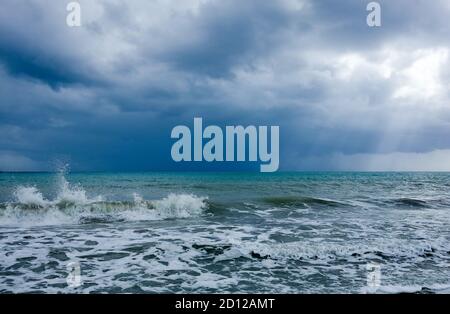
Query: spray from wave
column 72, row 206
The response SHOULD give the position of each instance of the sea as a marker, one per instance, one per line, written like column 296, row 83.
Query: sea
column 230, row 232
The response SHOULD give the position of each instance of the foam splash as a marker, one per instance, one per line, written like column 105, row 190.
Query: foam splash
column 180, row 206
column 329, row 252
column 74, row 194
column 72, row 206
column 30, row 196
column 171, row 207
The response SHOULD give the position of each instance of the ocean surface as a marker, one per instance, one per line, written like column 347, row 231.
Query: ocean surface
column 225, row 232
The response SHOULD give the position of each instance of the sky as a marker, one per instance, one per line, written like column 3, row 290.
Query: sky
column 105, row 96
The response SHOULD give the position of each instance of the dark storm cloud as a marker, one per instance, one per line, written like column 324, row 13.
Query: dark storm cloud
column 32, row 45
column 231, row 33
column 20, row 62
column 105, row 96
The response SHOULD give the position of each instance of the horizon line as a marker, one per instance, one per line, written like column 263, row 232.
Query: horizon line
column 222, row 171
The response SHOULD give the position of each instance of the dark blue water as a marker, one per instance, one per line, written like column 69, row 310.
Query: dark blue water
column 225, row 232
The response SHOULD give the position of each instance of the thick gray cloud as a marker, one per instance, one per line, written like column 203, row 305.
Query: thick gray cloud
column 105, row 96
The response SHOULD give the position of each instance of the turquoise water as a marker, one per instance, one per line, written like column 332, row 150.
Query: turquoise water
column 225, row 232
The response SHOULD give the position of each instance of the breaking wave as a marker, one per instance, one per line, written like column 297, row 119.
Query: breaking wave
column 73, row 206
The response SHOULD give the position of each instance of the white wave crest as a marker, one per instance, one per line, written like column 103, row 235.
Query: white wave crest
column 72, row 205
column 74, row 194
column 171, row 207
column 30, row 196
column 180, row 206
